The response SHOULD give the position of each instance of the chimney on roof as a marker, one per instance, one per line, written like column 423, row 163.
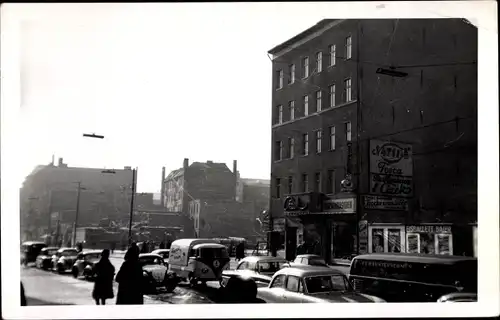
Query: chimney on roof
column 186, row 163
column 235, row 166
column 162, row 192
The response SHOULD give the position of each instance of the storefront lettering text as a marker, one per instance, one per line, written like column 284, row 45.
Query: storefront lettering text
column 428, row 229
column 391, row 185
column 380, row 264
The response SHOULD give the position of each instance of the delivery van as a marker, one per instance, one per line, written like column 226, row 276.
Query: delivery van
column 198, row 260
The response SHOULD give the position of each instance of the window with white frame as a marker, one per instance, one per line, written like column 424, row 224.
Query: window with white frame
column 279, row 83
column 290, row 184
column 278, row 188
column 291, row 147
column 319, row 61
column 332, row 138
column 305, row 141
column 278, row 150
column 291, row 106
column 306, row 105
column 429, row 239
column 386, row 239
column 318, row 100
column 279, row 111
column 330, row 188
column 317, row 182
column 305, row 183
column 292, row 74
column 348, row 131
column 347, row 90
column 332, row 95
column 333, row 52
column 348, row 47
column 305, row 67
column 318, row 141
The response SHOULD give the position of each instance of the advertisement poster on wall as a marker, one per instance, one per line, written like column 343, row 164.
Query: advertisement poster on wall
column 377, row 240
column 391, row 169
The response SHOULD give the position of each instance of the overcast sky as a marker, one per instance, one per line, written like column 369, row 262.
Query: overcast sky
column 161, row 82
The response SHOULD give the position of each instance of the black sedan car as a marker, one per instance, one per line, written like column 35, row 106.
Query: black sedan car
column 44, row 259
column 84, row 264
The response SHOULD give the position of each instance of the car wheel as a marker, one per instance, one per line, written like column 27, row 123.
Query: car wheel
column 60, row 269
column 75, row 273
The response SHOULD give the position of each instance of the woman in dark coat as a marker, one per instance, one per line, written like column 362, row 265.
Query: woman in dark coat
column 103, row 286
column 129, row 278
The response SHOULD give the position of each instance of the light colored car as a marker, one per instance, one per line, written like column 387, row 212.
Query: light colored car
column 44, row 259
column 64, row 259
column 311, row 285
column 154, row 270
column 162, row 252
column 459, row 297
column 259, row 268
column 309, row 260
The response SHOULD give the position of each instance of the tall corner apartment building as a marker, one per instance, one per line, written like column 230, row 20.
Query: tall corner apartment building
column 374, row 137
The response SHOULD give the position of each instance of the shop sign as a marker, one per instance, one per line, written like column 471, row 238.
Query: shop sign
column 279, row 225
column 392, row 158
column 385, row 203
column 391, row 185
column 339, row 206
column 428, row 229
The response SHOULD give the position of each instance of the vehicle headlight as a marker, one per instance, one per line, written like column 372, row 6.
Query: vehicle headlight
column 88, row 267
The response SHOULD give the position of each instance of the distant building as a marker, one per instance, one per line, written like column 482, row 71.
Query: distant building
column 48, row 198
column 374, row 137
column 215, row 201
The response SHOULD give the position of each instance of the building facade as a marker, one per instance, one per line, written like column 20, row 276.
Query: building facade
column 49, row 196
column 374, row 137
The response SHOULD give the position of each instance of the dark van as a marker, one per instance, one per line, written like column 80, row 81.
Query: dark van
column 400, row 277
column 30, row 250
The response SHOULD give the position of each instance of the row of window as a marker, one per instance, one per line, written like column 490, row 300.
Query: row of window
column 332, row 49
column 347, row 97
column 287, row 185
column 280, row 148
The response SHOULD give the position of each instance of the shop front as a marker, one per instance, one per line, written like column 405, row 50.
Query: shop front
column 423, row 238
column 319, row 225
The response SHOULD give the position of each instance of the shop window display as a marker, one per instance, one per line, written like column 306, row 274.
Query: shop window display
column 429, row 239
column 386, row 239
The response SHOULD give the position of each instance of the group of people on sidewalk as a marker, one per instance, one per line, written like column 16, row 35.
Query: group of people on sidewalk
column 129, row 278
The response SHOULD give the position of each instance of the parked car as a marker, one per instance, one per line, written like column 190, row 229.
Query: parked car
column 311, row 285
column 259, row 268
column 155, row 272
column 162, row 252
column 44, row 259
column 64, row 259
column 309, row 260
column 459, row 297
column 84, row 264
column 30, row 250
column 412, row 277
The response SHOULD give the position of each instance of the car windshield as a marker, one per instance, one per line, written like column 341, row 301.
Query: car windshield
column 333, row 283
column 270, row 266
column 69, row 253
column 145, row 261
column 213, row 253
column 93, row 256
column 317, row 262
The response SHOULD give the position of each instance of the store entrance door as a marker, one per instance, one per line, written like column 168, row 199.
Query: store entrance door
column 290, row 243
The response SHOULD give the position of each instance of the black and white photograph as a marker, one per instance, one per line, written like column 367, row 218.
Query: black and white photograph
column 178, row 155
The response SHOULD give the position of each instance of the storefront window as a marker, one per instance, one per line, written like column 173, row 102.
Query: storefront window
column 386, row 239
column 429, row 239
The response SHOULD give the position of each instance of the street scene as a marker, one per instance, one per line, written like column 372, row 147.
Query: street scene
column 345, row 172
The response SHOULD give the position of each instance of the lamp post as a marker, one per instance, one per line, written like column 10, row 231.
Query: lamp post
column 77, row 210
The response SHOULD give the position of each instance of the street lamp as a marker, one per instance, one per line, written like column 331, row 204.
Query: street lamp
column 131, row 201
column 77, row 210
column 93, row 135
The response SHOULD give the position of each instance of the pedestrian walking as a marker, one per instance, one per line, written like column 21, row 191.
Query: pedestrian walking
column 113, row 246
column 129, row 278
column 103, row 285
column 240, row 251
